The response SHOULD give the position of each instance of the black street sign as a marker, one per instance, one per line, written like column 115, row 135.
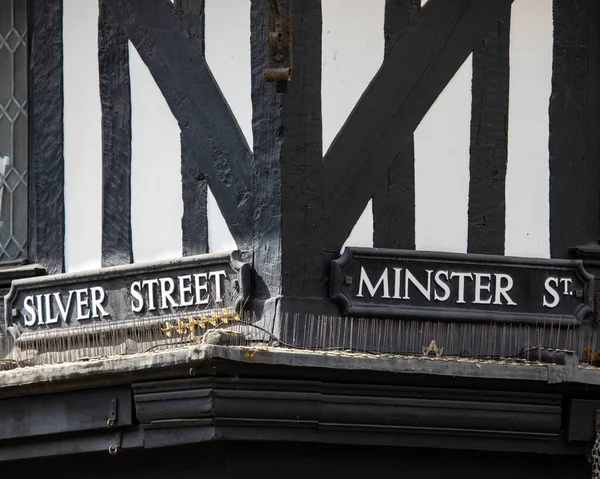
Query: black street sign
column 449, row 286
column 132, row 292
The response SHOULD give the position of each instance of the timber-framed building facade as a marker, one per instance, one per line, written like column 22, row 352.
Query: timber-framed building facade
column 252, row 238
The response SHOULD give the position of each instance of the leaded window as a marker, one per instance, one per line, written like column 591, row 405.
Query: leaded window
column 13, row 129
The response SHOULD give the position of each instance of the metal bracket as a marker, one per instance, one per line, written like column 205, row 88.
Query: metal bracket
column 112, row 419
column 280, row 46
column 114, row 448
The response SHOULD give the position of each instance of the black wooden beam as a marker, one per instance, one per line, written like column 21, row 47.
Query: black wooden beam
column 191, row 13
column 489, row 140
column 115, row 97
column 194, row 223
column 267, row 120
column 421, row 64
column 46, row 161
column 302, row 158
column 394, row 200
column 574, row 154
column 193, row 96
column 288, row 157
column 593, row 111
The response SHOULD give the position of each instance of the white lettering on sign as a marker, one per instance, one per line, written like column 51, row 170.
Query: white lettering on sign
column 486, row 286
column 152, row 294
column 49, row 308
column 383, row 281
column 552, row 287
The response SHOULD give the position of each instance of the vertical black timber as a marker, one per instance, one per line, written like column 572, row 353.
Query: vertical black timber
column 46, row 161
column 302, row 158
column 267, row 128
column 115, row 97
column 489, row 141
column 194, row 222
column 394, row 200
column 574, row 163
column 593, row 105
column 288, row 158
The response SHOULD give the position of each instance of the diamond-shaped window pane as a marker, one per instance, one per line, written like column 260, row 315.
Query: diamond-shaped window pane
column 13, row 111
column 13, row 129
column 13, row 40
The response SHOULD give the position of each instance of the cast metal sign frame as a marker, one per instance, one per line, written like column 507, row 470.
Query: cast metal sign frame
column 60, row 297
column 344, row 279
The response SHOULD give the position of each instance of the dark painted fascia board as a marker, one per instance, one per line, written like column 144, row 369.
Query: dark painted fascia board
column 203, row 409
column 199, row 409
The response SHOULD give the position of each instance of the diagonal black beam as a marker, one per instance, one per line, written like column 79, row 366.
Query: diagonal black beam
column 194, row 222
column 193, row 96
column 421, row 64
column 115, row 96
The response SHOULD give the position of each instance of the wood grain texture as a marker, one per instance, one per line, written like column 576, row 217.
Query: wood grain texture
column 435, row 46
column 394, row 200
column 287, row 163
column 574, row 153
column 268, row 132
column 115, row 97
column 193, row 96
column 489, row 140
column 194, row 223
column 46, row 160
column 302, row 159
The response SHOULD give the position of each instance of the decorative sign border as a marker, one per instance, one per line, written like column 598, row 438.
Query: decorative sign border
column 344, row 281
column 119, row 281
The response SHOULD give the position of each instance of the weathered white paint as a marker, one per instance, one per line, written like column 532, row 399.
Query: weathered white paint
column 353, row 47
column 83, row 136
column 442, row 143
column 227, row 45
column 219, row 237
column 362, row 233
column 527, row 180
column 156, row 200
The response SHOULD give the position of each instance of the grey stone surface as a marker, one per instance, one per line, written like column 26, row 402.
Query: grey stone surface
column 129, row 368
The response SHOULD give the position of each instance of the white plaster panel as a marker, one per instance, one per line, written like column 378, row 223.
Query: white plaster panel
column 353, row 49
column 227, row 50
column 362, row 233
column 442, row 144
column 83, row 136
column 527, row 179
column 156, row 197
column 219, row 237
